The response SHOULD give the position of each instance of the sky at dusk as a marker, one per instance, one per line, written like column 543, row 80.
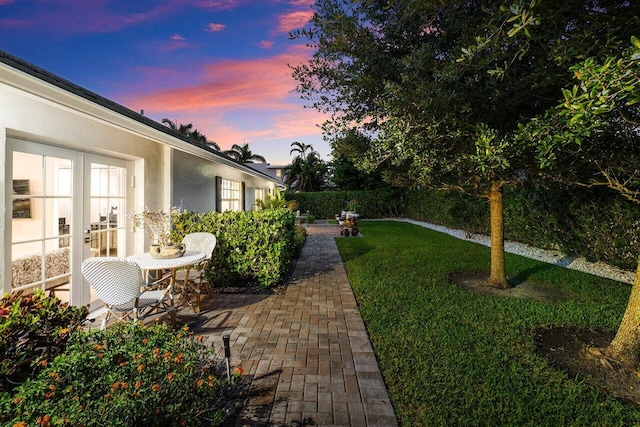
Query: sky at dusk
column 218, row 64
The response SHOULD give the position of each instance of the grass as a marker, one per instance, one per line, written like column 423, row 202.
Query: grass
column 454, row 357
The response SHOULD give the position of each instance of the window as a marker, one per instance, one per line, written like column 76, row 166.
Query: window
column 229, row 195
column 278, row 173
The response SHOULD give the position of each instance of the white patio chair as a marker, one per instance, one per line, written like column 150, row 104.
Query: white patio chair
column 118, row 282
column 201, row 242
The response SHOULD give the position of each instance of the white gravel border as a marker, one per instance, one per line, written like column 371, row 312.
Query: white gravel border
column 552, row 257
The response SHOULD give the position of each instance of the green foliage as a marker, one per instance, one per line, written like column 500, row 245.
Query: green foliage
column 307, row 171
column 591, row 137
column 442, row 87
column 299, row 239
column 243, row 154
column 126, row 375
column 34, row 329
column 454, row 357
column 255, row 246
column 345, row 174
column 383, row 203
column 273, row 201
column 590, row 223
column 448, row 208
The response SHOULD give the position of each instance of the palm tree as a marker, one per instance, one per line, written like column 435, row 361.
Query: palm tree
column 300, row 148
column 243, row 154
column 188, row 131
column 306, row 172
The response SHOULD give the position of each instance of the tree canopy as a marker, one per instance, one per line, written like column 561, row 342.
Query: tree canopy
column 442, row 87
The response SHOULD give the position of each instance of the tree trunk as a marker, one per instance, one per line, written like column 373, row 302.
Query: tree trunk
column 498, row 277
column 625, row 347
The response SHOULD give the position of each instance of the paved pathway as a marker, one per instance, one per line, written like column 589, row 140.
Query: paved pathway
column 307, row 347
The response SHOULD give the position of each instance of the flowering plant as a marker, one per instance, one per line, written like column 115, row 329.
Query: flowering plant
column 139, row 375
column 157, row 222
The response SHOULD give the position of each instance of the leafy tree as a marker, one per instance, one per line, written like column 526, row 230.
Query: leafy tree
column 307, row 172
column 188, row 131
column 442, row 86
column 345, row 175
column 592, row 139
column 243, row 154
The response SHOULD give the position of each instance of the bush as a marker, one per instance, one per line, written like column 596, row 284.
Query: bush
column 299, row 240
column 34, row 329
column 383, row 203
column 255, row 246
column 272, row 201
column 126, row 375
column 595, row 224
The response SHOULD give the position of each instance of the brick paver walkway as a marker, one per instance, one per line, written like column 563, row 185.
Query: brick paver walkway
column 306, row 347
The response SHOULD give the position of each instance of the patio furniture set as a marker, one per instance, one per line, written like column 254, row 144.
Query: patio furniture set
column 135, row 287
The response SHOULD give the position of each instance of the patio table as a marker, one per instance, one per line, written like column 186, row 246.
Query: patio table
column 148, row 263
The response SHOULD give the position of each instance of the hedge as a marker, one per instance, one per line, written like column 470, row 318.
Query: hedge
column 593, row 223
column 254, row 246
column 383, row 203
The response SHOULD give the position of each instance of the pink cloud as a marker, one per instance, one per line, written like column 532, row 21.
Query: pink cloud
column 232, row 100
column 266, row 44
column 4, row 2
column 294, row 20
column 215, row 27
column 177, row 37
column 262, row 82
column 302, row 2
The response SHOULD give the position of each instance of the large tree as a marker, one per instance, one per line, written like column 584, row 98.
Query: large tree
column 442, row 86
column 344, row 174
column 243, row 154
column 592, row 139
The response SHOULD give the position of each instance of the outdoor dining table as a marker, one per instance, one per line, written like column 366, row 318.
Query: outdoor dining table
column 148, row 263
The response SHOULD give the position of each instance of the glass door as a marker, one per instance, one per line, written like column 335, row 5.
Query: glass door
column 105, row 209
column 42, row 213
column 66, row 206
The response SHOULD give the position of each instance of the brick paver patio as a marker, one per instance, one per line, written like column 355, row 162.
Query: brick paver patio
column 306, row 347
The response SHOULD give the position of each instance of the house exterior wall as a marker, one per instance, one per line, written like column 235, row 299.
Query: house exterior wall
column 167, row 170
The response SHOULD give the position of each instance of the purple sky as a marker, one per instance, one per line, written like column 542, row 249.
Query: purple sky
column 220, row 65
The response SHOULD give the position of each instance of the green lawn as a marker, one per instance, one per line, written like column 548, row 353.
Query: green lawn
column 453, row 357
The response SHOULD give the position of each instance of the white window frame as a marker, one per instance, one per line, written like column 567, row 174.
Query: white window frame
column 229, row 195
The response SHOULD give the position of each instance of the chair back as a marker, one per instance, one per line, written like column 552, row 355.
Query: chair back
column 201, row 242
column 116, row 280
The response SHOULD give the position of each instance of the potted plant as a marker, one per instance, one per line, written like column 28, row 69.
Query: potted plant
column 352, row 209
column 158, row 224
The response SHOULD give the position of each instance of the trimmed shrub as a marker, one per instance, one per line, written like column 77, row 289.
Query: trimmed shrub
column 596, row 224
column 299, row 240
column 127, row 375
column 451, row 209
column 34, row 329
column 383, row 203
column 254, row 246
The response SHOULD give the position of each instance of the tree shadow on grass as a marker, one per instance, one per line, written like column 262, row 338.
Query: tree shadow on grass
column 520, row 286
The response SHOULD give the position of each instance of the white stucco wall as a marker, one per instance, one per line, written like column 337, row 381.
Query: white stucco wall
column 167, row 170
